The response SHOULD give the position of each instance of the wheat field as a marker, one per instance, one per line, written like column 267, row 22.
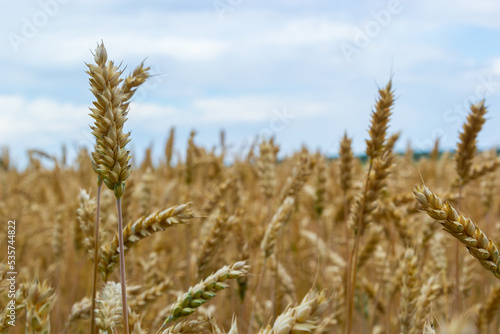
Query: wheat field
column 384, row 243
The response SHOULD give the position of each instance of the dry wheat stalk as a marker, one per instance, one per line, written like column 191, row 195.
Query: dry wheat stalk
column 346, row 164
column 142, row 193
column 409, row 291
column 20, row 304
column 466, row 147
column 234, row 326
column 57, row 241
column 108, row 313
column 104, row 81
column 243, row 250
column 79, row 310
column 190, row 156
column 391, row 141
column 429, row 292
column 212, row 241
column 39, row 302
column 488, row 310
column 303, row 318
column 169, row 147
column 287, row 285
column 77, row 235
column 266, row 168
column 135, row 324
column 110, row 158
column 374, row 237
column 461, row 228
column 483, row 169
column 320, row 192
column 371, row 292
column 110, row 111
column 434, row 155
column 214, row 329
column 468, row 276
column 300, row 175
column 85, row 215
column 217, row 195
column 280, row 218
column 204, row 291
column 379, row 122
column 365, row 204
column 140, row 229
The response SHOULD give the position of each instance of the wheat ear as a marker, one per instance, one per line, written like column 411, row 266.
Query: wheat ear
column 169, row 147
column 266, row 165
column 280, row 218
column 364, row 206
column 204, row 291
column 79, row 310
column 20, row 304
column 346, row 164
column 430, row 291
column 409, row 292
column 39, row 303
column 300, row 175
column 380, row 122
column 466, row 148
column 460, row 227
column 140, row 229
column 303, row 318
column 108, row 313
column 483, row 169
column 104, row 79
column 488, row 310
column 86, row 214
column 212, row 242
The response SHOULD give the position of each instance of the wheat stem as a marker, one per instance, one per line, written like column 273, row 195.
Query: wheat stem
column 93, row 327
column 122, row 266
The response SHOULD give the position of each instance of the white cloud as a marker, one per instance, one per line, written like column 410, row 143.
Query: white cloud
column 43, row 121
column 237, row 72
column 483, row 13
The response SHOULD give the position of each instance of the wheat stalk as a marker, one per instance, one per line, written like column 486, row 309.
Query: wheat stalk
column 409, row 291
column 488, row 310
column 39, row 302
column 303, row 318
column 204, row 291
column 466, row 148
column 266, row 168
column 108, row 313
column 140, row 229
column 460, row 227
column 280, row 218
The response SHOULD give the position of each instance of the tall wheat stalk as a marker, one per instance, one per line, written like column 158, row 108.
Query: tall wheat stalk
column 381, row 160
column 110, row 158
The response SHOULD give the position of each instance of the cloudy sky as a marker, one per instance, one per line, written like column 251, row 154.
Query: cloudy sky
column 304, row 71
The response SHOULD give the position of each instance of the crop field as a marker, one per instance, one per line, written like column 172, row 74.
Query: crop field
column 384, row 243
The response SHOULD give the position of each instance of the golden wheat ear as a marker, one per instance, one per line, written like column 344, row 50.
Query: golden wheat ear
column 466, row 147
column 204, row 291
column 461, row 228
